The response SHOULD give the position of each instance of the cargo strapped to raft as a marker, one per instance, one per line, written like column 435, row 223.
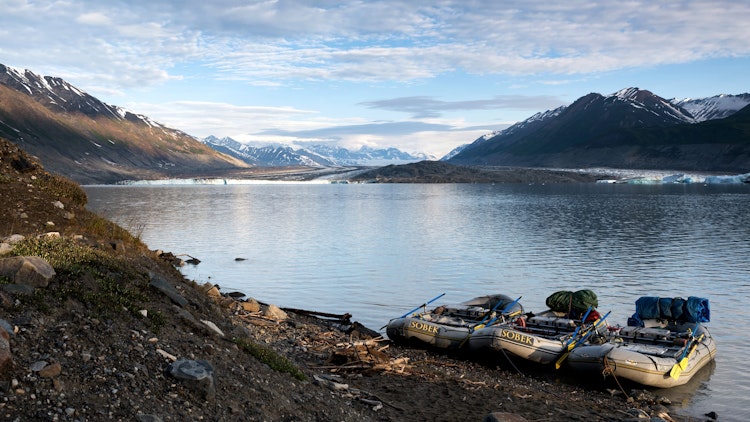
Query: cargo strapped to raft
column 692, row 309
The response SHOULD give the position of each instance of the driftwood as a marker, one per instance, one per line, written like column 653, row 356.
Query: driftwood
column 341, row 318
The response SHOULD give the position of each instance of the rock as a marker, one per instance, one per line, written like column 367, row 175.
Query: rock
column 213, row 327
column 212, row 291
column 58, row 204
column 6, row 358
column 251, row 305
column 15, row 238
column 504, row 417
column 197, row 375
column 51, row 371
column 166, row 355
column 274, row 312
column 5, row 247
column 161, row 284
column 30, row 270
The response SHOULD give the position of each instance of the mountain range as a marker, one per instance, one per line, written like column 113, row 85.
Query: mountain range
column 310, row 154
column 78, row 136
column 632, row 128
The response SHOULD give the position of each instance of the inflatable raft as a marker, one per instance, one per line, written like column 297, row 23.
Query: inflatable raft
column 541, row 338
column 451, row 326
column 664, row 345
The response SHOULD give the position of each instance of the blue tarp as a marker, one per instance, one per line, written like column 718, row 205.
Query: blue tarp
column 692, row 309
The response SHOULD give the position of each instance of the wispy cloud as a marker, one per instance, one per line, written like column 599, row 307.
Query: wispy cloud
column 423, row 107
column 382, row 128
column 218, row 118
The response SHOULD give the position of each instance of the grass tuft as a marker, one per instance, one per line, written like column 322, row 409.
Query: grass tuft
column 100, row 281
column 269, row 357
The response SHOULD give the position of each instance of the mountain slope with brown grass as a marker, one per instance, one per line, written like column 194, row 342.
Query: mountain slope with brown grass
column 79, row 137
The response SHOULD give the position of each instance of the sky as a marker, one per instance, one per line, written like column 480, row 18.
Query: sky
column 422, row 76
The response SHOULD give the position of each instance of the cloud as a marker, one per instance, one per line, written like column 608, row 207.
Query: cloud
column 94, row 18
column 280, row 42
column 421, row 107
column 203, row 118
column 381, row 129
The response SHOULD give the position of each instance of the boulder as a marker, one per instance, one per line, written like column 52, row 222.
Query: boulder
column 29, row 270
column 198, row 375
column 274, row 312
column 251, row 305
column 160, row 283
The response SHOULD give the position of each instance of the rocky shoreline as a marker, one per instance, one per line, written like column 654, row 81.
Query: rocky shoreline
column 99, row 327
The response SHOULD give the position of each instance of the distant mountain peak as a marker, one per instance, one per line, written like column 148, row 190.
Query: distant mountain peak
column 716, row 107
column 310, row 154
column 632, row 93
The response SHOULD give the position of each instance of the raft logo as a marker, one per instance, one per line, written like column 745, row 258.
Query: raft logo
column 424, row 327
column 516, row 337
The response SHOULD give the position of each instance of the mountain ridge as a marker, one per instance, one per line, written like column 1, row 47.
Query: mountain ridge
column 618, row 130
column 80, row 137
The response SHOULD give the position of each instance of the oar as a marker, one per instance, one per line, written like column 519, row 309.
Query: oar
column 481, row 324
column 575, row 332
column 503, row 312
column 423, row 305
column 584, row 335
column 682, row 361
column 679, row 367
column 487, row 315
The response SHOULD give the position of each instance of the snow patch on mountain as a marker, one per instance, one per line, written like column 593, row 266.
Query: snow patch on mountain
column 646, row 100
column 57, row 93
column 716, row 107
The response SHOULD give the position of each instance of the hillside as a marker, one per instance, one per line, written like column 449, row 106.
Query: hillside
column 75, row 135
column 631, row 129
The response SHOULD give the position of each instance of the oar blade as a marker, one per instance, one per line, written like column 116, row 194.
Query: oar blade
column 676, row 371
column 559, row 362
column 683, row 363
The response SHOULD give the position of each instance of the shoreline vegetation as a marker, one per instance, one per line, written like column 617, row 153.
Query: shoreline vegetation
column 116, row 332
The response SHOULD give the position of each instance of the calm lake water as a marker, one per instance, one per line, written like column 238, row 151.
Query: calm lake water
column 377, row 251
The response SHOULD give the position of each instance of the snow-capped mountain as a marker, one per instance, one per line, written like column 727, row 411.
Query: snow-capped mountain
column 716, row 107
column 624, row 129
column 60, row 96
column 309, row 154
column 78, row 136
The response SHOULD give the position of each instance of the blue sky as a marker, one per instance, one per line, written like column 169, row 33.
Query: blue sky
column 423, row 76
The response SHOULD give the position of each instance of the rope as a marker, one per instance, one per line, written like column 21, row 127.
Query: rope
column 609, row 370
column 511, row 362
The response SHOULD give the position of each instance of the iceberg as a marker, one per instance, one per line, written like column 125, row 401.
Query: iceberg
column 738, row 179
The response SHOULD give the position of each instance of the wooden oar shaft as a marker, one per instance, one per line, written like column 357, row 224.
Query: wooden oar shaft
column 423, row 305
